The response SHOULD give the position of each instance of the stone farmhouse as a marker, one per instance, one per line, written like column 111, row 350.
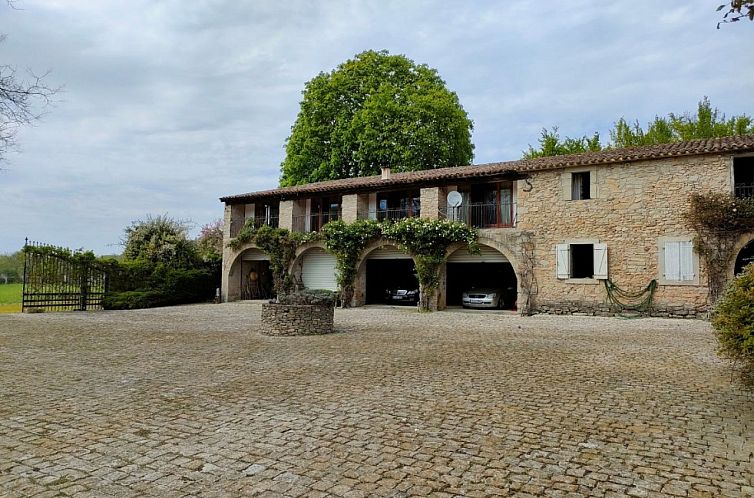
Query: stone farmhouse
column 551, row 229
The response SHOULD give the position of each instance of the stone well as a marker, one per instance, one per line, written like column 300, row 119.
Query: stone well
column 296, row 319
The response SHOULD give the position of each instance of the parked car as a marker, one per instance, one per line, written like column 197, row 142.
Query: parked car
column 483, row 298
column 402, row 296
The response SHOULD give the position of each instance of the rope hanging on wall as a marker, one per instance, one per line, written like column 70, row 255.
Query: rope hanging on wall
column 632, row 301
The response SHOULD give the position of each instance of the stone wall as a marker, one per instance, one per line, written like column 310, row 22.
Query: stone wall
column 602, row 309
column 634, row 205
column 296, row 319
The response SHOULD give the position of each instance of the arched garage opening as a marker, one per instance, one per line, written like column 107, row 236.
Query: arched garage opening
column 489, row 270
column 745, row 256
column 318, row 269
column 390, row 277
column 256, row 277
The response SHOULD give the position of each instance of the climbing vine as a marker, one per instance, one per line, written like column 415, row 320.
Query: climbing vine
column 719, row 220
column 346, row 242
column 428, row 241
column 277, row 243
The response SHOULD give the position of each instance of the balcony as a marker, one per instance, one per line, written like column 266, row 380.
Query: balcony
column 480, row 215
column 237, row 225
column 314, row 222
column 744, row 190
column 390, row 214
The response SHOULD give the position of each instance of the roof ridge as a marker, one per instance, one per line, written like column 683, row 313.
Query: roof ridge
column 700, row 146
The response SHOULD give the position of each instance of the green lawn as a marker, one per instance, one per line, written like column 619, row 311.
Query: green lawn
column 10, row 298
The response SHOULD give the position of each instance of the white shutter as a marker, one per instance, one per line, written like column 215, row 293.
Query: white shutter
column 673, row 261
column 686, row 253
column 563, row 259
column 600, row 261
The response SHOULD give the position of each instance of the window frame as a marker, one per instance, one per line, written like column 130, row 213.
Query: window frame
column 566, row 184
column 661, row 247
column 597, row 277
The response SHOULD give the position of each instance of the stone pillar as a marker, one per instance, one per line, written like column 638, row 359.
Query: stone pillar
column 286, row 215
column 226, row 223
column 362, row 207
column 431, row 203
column 350, row 208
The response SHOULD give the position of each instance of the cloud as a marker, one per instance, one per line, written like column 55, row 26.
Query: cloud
column 169, row 105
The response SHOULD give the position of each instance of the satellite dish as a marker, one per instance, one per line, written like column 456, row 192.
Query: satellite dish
column 454, row 198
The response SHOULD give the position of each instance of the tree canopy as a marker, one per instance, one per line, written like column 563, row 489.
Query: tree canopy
column 159, row 239
column 376, row 110
column 708, row 122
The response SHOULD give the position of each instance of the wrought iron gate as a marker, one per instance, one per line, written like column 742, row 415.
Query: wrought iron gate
column 58, row 279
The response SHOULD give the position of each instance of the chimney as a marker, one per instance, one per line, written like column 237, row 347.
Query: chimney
column 385, row 173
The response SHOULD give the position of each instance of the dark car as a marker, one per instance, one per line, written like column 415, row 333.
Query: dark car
column 402, row 296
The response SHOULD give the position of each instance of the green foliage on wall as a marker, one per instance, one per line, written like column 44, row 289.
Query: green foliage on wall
column 719, row 220
column 279, row 244
column 346, row 242
column 428, row 242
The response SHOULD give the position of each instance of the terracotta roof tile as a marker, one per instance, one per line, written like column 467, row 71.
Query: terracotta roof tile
column 738, row 144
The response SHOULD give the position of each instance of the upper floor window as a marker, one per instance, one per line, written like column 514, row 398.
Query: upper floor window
column 266, row 214
column 743, row 176
column 580, row 186
column 486, row 205
column 397, row 205
column 323, row 210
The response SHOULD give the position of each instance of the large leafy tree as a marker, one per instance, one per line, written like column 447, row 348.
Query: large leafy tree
column 708, row 122
column 376, row 110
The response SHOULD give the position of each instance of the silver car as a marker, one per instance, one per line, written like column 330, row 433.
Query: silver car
column 483, row 298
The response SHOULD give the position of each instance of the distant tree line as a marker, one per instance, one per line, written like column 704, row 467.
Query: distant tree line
column 708, row 122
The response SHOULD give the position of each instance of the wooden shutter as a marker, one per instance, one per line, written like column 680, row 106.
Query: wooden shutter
column 563, row 260
column 600, row 261
column 686, row 261
column 672, row 261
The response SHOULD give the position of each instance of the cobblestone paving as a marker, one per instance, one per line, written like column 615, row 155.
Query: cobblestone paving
column 191, row 401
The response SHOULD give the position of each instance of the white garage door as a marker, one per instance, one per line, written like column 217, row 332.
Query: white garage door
column 254, row 255
column 487, row 255
column 318, row 270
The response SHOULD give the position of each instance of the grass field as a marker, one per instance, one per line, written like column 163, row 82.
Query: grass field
column 10, row 298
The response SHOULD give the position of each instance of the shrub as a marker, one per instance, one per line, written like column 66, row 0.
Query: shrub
column 130, row 300
column 164, row 286
column 733, row 320
column 317, row 297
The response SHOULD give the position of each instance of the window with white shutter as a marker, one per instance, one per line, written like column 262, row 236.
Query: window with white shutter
column 678, row 261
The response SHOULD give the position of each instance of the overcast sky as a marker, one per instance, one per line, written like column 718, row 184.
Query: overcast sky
column 170, row 104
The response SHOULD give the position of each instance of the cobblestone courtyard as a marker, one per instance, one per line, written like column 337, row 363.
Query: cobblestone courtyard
column 191, row 401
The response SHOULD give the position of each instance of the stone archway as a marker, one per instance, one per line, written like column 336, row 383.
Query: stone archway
column 360, row 283
column 489, row 269
column 236, row 274
column 744, row 257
